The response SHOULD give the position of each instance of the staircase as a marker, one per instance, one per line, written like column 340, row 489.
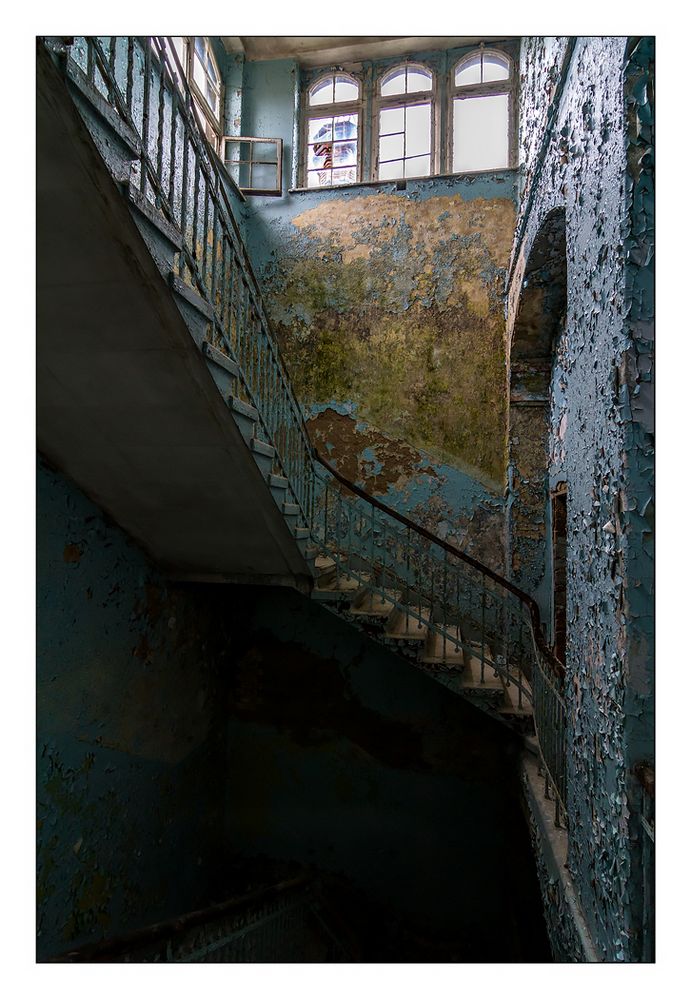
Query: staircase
column 436, row 607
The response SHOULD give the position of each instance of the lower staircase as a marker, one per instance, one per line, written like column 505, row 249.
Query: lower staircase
column 464, row 666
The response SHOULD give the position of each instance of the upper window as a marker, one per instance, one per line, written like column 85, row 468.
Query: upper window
column 412, row 123
column 333, row 124
column 481, row 120
column 199, row 63
column 405, row 99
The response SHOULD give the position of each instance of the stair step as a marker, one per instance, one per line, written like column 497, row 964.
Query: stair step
column 412, row 630
column 324, row 570
column 278, row 481
column 375, row 605
column 301, row 533
column 291, row 509
column 221, row 359
column 474, row 675
column 259, row 447
column 438, row 654
column 149, row 211
column 512, row 707
column 337, row 588
column 190, row 296
column 243, row 408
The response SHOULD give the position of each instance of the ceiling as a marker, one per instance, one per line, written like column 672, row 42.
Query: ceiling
column 324, row 50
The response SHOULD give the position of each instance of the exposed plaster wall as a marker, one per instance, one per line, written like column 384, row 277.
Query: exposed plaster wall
column 599, row 441
column 343, row 756
column 393, row 301
column 389, row 310
column 130, row 745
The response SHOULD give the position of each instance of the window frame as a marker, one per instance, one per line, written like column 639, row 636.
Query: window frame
column 334, row 110
column 470, row 90
column 380, row 103
column 205, row 110
column 444, row 92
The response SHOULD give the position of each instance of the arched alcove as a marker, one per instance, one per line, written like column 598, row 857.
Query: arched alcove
column 539, row 319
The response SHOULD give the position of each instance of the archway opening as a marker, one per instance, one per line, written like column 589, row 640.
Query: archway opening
column 539, row 322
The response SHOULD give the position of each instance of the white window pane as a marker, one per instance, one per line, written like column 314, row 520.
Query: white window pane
column 391, row 171
column 347, row 176
column 419, row 166
column 180, row 46
column 494, row 67
column 346, row 90
column 418, row 79
column 469, row 71
column 418, row 129
column 210, row 67
column 390, row 147
column 394, row 82
column 322, row 92
column 313, row 179
column 264, row 176
column 391, row 120
column 480, row 133
column 320, row 129
column 344, row 154
column 345, row 126
column 198, row 72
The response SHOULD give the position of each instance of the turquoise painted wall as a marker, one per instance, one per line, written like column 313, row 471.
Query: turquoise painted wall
column 130, row 745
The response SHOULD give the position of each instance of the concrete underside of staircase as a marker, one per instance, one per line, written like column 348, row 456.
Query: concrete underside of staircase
column 126, row 405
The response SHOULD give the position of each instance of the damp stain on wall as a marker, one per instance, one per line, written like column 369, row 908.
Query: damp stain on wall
column 396, row 304
column 444, row 499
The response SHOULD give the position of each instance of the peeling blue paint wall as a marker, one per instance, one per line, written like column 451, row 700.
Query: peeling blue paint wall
column 598, row 438
column 130, row 745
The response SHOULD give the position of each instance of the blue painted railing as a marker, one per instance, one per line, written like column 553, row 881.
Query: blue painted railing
column 460, row 601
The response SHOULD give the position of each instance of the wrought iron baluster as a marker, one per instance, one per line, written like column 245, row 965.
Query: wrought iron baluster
column 145, row 119
column 130, row 71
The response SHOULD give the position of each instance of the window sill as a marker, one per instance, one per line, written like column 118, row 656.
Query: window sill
column 402, row 183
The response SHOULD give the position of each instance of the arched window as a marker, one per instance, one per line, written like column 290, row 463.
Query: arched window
column 333, row 125
column 406, row 136
column 481, row 111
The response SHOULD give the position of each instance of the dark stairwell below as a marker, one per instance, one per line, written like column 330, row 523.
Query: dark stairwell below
column 347, row 760
column 198, row 741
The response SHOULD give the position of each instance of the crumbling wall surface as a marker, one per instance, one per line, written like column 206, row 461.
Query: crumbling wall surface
column 540, row 68
column 391, row 303
column 130, row 753
column 440, row 497
column 636, row 383
column 597, row 166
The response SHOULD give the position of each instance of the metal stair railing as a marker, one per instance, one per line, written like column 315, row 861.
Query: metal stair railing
column 466, row 605
column 177, row 173
column 278, row 922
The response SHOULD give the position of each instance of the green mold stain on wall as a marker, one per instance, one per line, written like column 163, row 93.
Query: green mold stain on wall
column 397, row 305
